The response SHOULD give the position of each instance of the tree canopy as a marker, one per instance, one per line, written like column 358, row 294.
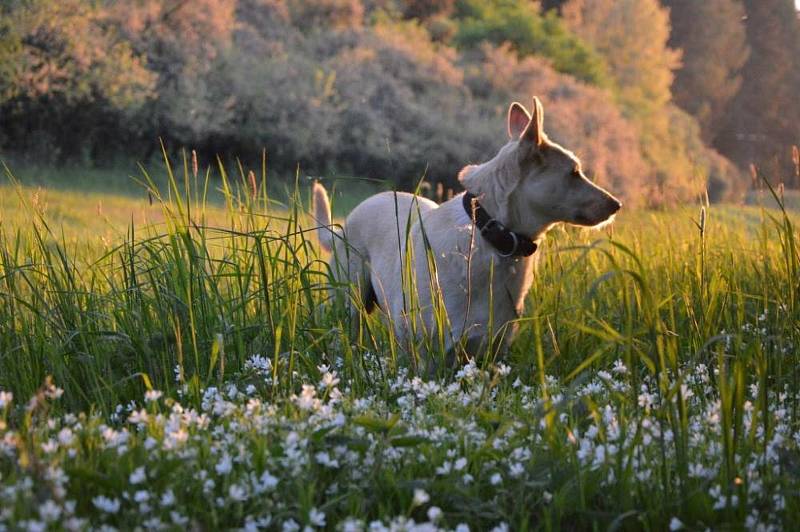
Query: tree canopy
column 644, row 90
column 712, row 36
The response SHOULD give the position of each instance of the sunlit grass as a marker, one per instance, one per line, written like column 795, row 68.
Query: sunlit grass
column 653, row 382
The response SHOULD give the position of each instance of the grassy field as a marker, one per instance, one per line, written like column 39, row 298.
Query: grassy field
column 170, row 361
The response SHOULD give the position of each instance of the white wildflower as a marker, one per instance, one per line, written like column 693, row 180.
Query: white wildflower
column 33, row 526
column 49, row 511
column 168, row 498
column 75, row 524
column 138, row 476
column 307, row 399
column 65, row 436
column 675, row 524
column 178, row 519
column 138, row 416
column 420, row 497
column 316, row 517
column 323, row 458
column 6, row 398
column 104, row 504
column 151, row 396
column 225, row 465
column 503, row 369
column 260, row 365
column 434, row 514
column 154, row 523
column 50, row 446
column 268, row 481
column 352, row 525
column 290, row 526
column 445, row 468
column 237, row 492
column 329, row 380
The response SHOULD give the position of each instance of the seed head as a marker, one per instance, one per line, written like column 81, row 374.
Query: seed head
column 194, row 164
column 251, row 179
column 702, row 220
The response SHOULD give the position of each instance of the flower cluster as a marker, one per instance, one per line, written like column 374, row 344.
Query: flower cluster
column 479, row 451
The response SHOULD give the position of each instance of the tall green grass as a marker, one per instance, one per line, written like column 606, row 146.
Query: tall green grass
column 201, row 296
column 183, row 304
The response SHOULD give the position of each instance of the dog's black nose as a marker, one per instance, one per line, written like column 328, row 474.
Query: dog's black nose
column 615, row 205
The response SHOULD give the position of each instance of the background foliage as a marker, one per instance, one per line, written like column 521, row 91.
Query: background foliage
column 646, row 91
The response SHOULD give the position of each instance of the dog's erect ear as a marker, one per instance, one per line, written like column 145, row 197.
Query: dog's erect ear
column 518, row 120
column 534, row 133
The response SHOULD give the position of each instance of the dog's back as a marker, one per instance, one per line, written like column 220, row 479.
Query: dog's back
column 367, row 251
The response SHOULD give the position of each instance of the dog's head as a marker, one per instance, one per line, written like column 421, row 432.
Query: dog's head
column 534, row 183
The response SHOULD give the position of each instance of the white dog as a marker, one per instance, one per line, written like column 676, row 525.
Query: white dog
column 472, row 255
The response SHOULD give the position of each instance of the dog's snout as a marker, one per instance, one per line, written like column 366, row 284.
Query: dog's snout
column 614, row 205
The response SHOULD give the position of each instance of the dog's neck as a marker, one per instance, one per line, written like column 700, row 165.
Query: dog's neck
column 488, row 182
column 506, row 242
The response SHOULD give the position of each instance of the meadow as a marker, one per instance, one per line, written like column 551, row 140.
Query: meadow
column 171, row 359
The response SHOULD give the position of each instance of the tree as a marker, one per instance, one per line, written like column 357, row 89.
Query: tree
column 712, row 36
column 552, row 4
column 326, row 14
column 520, row 23
column 61, row 66
column 764, row 120
column 632, row 35
column 184, row 43
column 423, row 9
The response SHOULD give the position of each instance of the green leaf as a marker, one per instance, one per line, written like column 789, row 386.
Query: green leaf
column 408, row 441
column 376, row 424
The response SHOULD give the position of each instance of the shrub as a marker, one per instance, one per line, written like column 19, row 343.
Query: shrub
column 423, row 9
column 360, row 102
column 62, row 64
column 326, row 14
column 633, row 37
column 530, row 33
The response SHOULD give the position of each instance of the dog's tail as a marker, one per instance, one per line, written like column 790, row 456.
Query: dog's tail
column 321, row 211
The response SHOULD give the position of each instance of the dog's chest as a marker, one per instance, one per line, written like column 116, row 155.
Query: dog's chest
column 476, row 284
column 510, row 280
column 483, row 277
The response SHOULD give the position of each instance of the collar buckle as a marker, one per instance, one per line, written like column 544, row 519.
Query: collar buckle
column 495, row 227
column 506, row 243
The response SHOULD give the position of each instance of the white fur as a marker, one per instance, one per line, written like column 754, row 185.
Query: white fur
column 529, row 186
column 322, row 215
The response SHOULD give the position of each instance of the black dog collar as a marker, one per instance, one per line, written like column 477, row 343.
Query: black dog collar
column 506, row 242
